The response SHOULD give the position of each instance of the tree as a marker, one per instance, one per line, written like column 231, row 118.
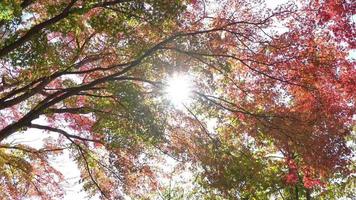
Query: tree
column 93, row 72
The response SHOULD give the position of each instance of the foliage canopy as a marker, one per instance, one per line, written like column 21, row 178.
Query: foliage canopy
column 278, row 84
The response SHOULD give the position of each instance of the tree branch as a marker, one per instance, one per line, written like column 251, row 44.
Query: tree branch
column 62, row 132
column 36, row 29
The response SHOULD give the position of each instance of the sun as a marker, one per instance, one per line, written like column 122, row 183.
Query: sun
column 178, row 89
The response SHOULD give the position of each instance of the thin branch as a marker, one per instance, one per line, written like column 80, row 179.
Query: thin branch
column 66, row 134
column 215, row 140
column 39, row 151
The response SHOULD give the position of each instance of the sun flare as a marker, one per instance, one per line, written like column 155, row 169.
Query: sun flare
column 178, row 89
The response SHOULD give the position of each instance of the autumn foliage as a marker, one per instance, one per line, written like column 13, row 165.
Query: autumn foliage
column 278, row 83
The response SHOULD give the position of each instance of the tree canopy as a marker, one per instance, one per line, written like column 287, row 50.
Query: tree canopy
column 271, row 112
